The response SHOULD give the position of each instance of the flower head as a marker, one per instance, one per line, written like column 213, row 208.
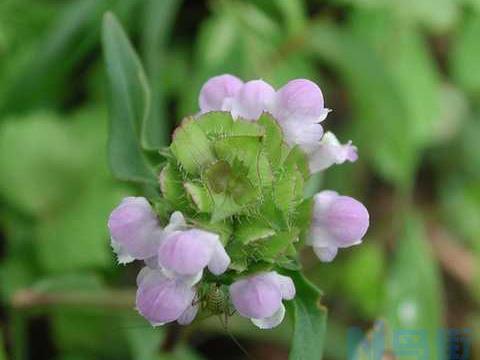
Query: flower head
column 259, row 298
column 338, row 222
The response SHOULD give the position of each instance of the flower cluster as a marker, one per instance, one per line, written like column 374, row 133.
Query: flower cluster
column 226, row 229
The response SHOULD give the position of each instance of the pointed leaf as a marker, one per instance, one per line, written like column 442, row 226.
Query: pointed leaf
column 129, row 100
column 309, row 319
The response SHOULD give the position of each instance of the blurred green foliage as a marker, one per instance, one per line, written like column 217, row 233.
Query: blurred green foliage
column 403, row 78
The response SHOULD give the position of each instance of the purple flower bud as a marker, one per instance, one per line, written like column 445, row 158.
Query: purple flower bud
column 338, row 222
column 189, row 252
column 252, row 100
column 161, row 299
column 330, row 152
column 300, row 101
column 134, row 229
column 259, row 298
column 216, row 90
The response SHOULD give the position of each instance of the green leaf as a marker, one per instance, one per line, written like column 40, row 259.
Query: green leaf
column 48, row 171
column 465, row 56
column 41, row 79
column 378, row 107
column 191, row 147
column 406, row 56
column 88, row 330
column 309, row 320
column 129, row 102
column 159, row 18
column 144, row 340
column 414, row 291
column 79, row 232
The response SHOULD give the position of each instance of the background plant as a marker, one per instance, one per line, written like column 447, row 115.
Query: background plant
column 402, row 78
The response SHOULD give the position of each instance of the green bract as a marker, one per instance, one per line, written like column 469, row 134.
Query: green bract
column 239, row 179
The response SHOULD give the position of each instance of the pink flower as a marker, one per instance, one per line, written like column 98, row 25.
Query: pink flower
column 259, row 298
column 216, row 90
column 330, row 152
column 253, row 98
column 338, row 222
column 188, row 252
column 134, row 229
column 162, row 299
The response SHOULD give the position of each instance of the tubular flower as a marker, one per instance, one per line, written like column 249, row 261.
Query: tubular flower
column 189, row 252
column 299, row 108
column 162, row 299
column 338, row 222
column 217, row 90
column 259, row 298
column 134, row 229
column 253, row 98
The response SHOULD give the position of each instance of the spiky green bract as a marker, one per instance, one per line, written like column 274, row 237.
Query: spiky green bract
column 239, row 179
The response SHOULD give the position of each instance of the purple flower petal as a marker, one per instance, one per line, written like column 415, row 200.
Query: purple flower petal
column 188, row 315
column 188, row 252
column 286, row 286
column 271, row 321
column 347, row 220
column 219, row 261
column 307, row 135
column 338, row 222
column 134, row 229
column 329, row 151
column 216, row 90
column 161, row 300
column 256, row 297
column 325, row 253
column 299, row 100
column 252, row 100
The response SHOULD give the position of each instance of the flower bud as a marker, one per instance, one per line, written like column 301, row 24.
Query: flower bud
column 338, row 222
column 299, row 107
column 300, row 101
column 134, row 229
column 259, row 298
column 216, row 90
